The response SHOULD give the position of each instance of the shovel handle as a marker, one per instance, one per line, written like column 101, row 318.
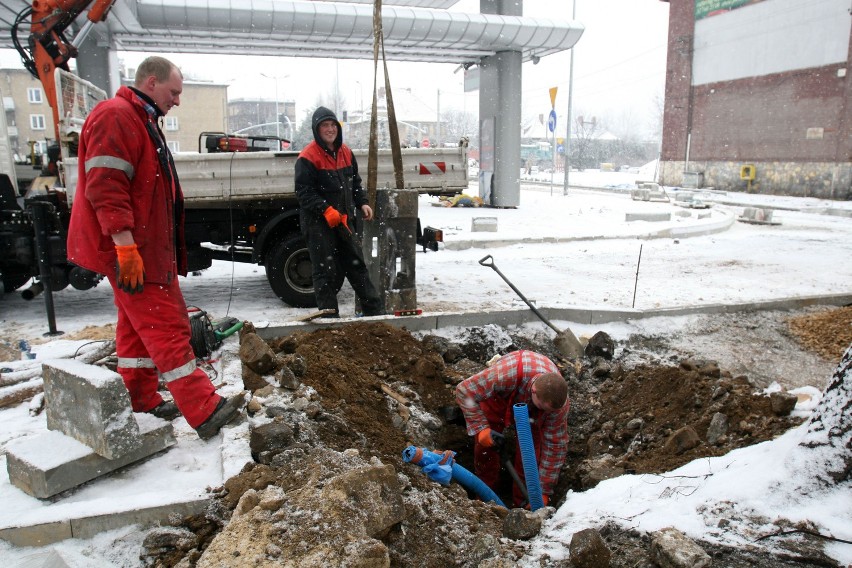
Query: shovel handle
column 489, row 262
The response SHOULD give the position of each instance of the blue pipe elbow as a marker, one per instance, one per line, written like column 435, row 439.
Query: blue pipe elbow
column 525, row 442
column 428, row 460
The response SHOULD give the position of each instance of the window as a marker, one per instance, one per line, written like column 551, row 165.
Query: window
column 34, row 95
column 173, row 146
column 171, row 123
column 37, row 121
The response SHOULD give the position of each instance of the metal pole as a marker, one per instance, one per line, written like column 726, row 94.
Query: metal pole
column 570, row 99
column 39, row 211
column 277, row 115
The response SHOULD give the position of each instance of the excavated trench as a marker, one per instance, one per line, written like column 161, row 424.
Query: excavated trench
column 358, row 394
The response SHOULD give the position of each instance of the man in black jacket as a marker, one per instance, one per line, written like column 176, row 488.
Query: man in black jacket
column 329, row 191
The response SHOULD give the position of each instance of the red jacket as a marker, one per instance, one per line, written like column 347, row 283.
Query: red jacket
column 126, row 181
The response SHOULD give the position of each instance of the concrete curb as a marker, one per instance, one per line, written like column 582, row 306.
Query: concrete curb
column 86, row 527
column 430, row 322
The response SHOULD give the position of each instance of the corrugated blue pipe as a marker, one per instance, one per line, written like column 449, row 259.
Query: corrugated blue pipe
column 464, row 477
column 525, row 442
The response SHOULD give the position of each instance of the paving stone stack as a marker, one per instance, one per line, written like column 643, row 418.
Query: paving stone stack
column 92, row 431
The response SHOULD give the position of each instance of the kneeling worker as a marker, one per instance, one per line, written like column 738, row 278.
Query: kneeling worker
column 486, row 400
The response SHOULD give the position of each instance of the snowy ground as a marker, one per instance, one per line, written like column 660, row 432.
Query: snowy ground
column 572, row 250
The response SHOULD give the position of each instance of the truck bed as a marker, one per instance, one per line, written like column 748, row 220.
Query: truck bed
column 244, row 178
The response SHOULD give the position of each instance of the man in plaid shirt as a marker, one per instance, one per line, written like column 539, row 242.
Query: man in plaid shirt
column 486, row 399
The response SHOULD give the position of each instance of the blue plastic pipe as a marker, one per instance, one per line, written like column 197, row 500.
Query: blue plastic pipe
column 525, row 442
column 464, row 477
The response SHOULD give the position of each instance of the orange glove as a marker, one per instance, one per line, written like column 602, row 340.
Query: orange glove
column 488, row 438
column 129, row 271
column 332, row 216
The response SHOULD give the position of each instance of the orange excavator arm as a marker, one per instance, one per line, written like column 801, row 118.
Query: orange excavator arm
column 47, row 47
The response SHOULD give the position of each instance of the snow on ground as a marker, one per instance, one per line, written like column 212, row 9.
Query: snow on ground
column 573, row 250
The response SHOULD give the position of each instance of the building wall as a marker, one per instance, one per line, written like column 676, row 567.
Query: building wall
column 245, row 113
column 792, row 124
column 14, row 84
column 203, row 108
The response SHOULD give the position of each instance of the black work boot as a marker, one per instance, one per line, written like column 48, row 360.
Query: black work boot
column 227, row 410
column 167, row 410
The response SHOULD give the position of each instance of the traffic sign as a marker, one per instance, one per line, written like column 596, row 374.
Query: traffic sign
column 560, row 149
column 551, row 121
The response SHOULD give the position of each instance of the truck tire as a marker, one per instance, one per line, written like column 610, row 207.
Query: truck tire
column 290, row 274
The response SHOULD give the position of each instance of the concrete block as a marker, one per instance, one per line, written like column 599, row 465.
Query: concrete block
column 483, row 224
column 49, row 463
column 91, row 405
column 648, row 216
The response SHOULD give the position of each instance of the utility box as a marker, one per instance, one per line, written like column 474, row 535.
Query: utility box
column 693, row 180
column 748, row 172
column 390, row 246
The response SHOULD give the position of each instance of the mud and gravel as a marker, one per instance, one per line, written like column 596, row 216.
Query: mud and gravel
column 375, row 388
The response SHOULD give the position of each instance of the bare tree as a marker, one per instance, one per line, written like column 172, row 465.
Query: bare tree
column 584, row 131
column 458, row 124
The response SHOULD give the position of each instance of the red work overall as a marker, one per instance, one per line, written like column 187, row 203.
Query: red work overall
column 486, row 461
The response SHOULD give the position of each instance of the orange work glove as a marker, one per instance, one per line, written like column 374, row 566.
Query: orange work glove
column 332, row 216
column 129, row 271
column 489, row 439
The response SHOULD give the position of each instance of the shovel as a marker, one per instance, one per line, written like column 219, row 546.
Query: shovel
column 565, row 341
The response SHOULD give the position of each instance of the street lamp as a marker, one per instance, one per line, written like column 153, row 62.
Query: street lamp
column 277, row 115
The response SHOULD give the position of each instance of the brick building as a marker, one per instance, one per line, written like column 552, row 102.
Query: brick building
column 759, row 88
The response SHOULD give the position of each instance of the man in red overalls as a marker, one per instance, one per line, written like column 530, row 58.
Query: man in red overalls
column 486, row 400
column 127, row 224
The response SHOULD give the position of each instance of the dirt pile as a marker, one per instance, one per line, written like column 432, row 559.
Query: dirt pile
column 828, row 333
column 365, row 391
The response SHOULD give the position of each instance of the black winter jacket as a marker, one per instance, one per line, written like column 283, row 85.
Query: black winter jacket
column 327, row 177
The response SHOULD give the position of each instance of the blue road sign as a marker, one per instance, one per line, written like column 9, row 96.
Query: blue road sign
column 560, row 149
column 551, row 121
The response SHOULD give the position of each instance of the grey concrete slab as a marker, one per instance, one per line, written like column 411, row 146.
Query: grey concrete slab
column 648, row 216
column 49, row 463
column 87, row 527
column 44, row 534
column 37, row 535
column 91, row 405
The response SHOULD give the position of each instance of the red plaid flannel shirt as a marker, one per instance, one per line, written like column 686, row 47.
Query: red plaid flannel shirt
column 511, row 376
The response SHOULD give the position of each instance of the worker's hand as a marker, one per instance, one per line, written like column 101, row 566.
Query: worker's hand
column 129, row 271
column 367, row 211
column 332, row 216
column 344, row 220
column 488, row 438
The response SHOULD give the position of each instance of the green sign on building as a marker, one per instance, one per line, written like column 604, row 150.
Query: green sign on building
column 706, row 8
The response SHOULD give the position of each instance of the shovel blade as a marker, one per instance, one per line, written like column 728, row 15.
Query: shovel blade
column 568, row 344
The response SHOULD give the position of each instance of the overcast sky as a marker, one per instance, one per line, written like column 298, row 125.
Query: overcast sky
column 619, row 69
